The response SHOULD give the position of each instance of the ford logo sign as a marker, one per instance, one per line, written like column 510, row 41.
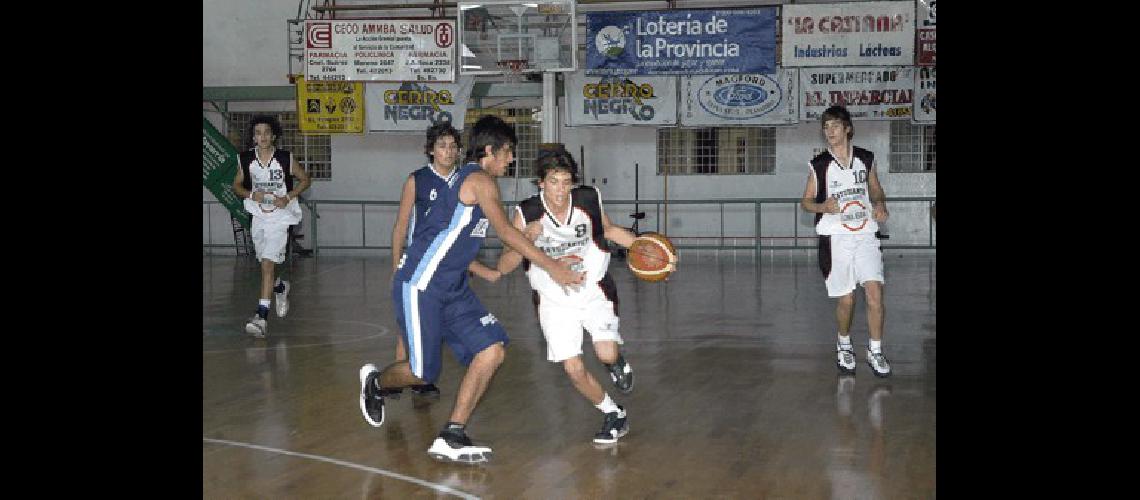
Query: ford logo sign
column 740, row 95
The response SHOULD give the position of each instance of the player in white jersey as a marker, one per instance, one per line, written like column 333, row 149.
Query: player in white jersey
column 265, row 178
column 569, row 223
column 843, row 191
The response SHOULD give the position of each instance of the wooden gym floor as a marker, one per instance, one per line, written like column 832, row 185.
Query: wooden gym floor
column 736, row 393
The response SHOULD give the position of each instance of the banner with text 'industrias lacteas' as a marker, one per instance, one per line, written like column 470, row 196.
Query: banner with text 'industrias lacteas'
column 925, row 83
column 681, row 42
column 620, row 100
column 219, row 166
column 415, row 106
column 885, row 93
column 740, row 99
column 379, row 50
column 848, row 34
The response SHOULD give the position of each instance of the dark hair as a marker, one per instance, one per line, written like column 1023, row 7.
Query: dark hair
column 838, row 113
column 438, row 130
column 491, row 131
column 270, row 120
column 551, row 157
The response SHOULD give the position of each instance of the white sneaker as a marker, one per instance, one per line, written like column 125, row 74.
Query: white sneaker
column 371, row 399
column 878, row 363
column 845, row 358
column 282, row 299
column 457, row 447
column 257, row 327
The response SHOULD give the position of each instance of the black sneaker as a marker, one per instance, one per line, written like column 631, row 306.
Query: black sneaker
column 371, row 397
column 622, row 374
column 426, row 390
column 613, row 427
column 454, row 446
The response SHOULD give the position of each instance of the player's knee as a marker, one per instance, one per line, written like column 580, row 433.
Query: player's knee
column 493, row 354
column 606, row 351
column 574, row 367
column 874, row 294
column 847, row 300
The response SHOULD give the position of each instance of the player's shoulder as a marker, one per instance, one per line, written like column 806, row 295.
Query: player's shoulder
column 864, row 155
column 586, row 194
column 821, row 159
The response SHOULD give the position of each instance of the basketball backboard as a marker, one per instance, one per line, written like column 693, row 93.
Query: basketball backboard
column 542, row 35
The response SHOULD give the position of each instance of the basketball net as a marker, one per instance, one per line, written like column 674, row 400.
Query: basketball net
column 513, row 69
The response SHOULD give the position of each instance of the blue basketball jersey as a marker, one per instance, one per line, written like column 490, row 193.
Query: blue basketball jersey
column 445, row 233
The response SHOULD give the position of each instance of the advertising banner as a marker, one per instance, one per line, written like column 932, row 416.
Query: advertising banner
column 927, row 29
column 848, row 34
column 611, row 100
column 885, row 93
column 219, row 167
column 745, row 99
column 330, row 107
column 681, row 42
column 379, row 50
column 415, row 106
column 924, row 87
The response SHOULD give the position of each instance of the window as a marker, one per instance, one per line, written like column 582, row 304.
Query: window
column 716, row 150
column 912, row 147
column 527, row 130
column 313, row 151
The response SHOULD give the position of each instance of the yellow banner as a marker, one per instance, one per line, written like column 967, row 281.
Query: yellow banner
column 330, row 107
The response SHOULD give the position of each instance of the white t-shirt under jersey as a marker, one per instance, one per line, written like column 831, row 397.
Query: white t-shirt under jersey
column 849, row 183
column 271, row 178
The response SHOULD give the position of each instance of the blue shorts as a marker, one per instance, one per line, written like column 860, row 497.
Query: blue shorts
column 428, row 320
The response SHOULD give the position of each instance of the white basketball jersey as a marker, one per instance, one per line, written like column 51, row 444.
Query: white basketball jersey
column 571, row 236
column 270, row 178
column 849, row 185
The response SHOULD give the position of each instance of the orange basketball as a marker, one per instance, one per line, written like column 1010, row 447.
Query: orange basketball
column 652, row 257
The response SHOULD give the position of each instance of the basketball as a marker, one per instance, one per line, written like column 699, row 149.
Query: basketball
column 652, row 257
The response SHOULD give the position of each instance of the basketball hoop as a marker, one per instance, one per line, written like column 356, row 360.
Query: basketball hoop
column 513, row 69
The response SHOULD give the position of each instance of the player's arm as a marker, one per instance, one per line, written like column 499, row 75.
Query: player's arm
column 616, row 233
column 403, row 215
column 479, row 269
column 829, row 206
column 300, row 174
column 878, row 197
column 239, row 179
column 510, row 259
column 486, row 194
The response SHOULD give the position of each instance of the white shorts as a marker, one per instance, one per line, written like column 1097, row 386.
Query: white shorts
column 853, row 259
column 562, row 325
column 269, row 239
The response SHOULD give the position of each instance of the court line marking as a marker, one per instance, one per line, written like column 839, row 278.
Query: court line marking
column 395, row 475
column 383, row 331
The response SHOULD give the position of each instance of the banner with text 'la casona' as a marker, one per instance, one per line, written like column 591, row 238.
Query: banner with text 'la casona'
column 620, row 100
column 848, row 34
column 681, row 42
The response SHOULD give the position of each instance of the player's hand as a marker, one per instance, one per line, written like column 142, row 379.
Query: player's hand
column 257, row 196
column 831, row 206
column 566, row 277
column 281, row 201
column 533, row 230
column 879, row 212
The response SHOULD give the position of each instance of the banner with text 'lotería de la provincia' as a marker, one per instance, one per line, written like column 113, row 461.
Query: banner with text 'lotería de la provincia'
column 620, row 100
column 740, row 99
column 885, row 93
column 848, row 34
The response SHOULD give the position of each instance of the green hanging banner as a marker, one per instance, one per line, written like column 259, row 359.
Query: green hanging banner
column 219, row 166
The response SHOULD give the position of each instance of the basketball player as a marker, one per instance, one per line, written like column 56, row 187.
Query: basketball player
column 573, row 227
column 265, row 178
column 844, row 193
column 430, row 291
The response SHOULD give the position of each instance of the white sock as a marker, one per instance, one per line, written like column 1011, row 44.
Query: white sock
column 875, row 345
column 263, row 302
column 607, row 405
column 844, row 339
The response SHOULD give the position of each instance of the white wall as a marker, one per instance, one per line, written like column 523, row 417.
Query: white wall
column 245, row 45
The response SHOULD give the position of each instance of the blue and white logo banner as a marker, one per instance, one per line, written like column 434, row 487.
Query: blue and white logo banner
column 848, row 34
column 740, row 99
column 681, row 42
column 415, row 106
column 625, row 100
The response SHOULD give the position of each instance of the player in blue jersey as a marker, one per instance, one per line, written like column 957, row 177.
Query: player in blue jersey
column 432, row 299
